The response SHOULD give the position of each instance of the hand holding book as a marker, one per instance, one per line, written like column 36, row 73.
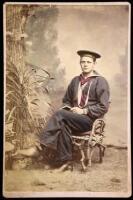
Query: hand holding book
column 73, row 109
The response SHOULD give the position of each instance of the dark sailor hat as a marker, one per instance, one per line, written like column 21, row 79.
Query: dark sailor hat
column 91, row 54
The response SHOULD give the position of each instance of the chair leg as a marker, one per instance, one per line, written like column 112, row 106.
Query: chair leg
column 82, row 159
column 103, row 149
column 101, row 153
column 90, row 151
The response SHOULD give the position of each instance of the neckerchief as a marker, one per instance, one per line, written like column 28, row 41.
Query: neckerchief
column 85, row 90
column 83, row 80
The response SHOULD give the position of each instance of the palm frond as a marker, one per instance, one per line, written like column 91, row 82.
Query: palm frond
column 9, row 93
column 37, row 67
column 15, row 84
column 11, row 113
column 16, row 91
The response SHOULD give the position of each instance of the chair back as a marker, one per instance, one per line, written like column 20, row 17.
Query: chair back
column 98, row 127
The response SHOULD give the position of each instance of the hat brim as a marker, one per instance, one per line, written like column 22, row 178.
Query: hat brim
column 88, row 53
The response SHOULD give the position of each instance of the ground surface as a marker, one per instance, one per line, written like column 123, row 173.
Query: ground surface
column 109, row 176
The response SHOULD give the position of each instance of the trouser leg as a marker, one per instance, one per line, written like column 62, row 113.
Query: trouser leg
column 58, row 130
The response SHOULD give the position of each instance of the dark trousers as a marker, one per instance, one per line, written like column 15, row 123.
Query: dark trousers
column 59, row 129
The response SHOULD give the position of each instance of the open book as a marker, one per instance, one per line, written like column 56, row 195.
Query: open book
column 66, row 107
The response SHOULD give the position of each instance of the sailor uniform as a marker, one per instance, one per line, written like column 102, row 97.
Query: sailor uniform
column 93, row 97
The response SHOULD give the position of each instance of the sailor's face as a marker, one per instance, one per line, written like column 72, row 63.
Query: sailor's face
column 87, row 64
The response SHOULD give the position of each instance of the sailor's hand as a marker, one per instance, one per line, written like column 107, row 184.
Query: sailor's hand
column 77, row 110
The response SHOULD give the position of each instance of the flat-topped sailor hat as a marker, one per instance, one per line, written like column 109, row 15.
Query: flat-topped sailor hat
column 91, row 54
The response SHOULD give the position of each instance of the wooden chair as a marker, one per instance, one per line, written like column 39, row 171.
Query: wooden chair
column 88, row 141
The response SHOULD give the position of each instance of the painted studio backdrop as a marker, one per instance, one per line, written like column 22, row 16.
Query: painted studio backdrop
column 41, row 42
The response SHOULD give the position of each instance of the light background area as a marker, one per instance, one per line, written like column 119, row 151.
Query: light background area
column 103, row 29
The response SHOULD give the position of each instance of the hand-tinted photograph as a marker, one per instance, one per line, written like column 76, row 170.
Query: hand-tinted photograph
column 66, row 100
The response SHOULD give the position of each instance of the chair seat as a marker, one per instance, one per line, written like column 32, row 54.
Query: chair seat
column 83, row 134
